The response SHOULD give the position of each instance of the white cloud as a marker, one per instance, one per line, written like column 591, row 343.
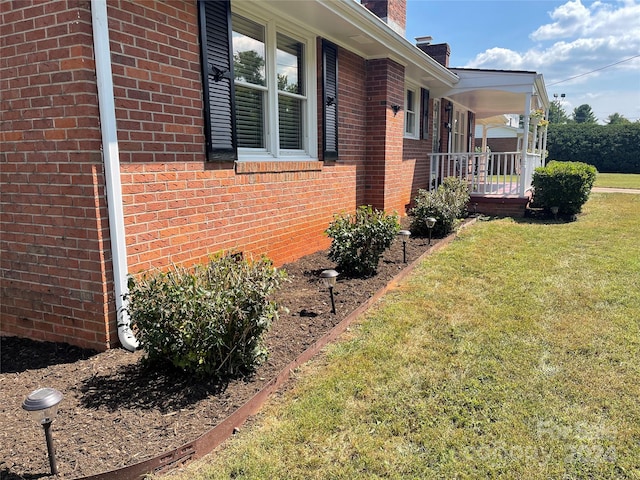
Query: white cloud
column 586, row 42
column 579, row 40
column 600, row 19
column 569, row 18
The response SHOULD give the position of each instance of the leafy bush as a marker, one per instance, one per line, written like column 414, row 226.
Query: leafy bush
column 359, row 240
column 446, row 204
column 565, row 185
column 209, row 320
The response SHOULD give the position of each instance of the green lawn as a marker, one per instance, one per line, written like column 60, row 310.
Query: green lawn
column 512, row 353
column 618, row 180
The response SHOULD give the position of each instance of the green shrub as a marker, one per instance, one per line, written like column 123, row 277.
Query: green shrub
column 565, row 185
column 359, row 240
column 446, row 204
column 208, row 320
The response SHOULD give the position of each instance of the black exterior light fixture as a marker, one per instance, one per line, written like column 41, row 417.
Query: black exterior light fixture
column 329, row 278
column 43, row 405
column 396, row 109
column 405, row 234
column 430, row 223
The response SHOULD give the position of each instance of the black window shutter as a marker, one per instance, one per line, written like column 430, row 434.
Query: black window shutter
column 424, row 114
column 330, row 100
column 218, row 86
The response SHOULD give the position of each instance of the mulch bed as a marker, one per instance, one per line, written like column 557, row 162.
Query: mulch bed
column 117, row 412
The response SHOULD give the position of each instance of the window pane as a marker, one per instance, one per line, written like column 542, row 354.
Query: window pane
column 248, row 51
column 410, row 113
column 290, row 118
column 289, row 63
column 249, row 117
column 410, row 121
column 409, row 106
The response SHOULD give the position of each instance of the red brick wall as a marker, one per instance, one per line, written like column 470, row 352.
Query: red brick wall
column 415, row 169
column 353, row 132
column 500, row 144
column 502, row 207
column 439, row 52
column 53, row 218
column 180, row 209
column 56, row 278
column 385, row 87
column 394, row 11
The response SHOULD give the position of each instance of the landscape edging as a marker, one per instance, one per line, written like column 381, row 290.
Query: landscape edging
column 208, row 441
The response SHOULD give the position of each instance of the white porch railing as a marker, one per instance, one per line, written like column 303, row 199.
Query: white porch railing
column 494, row 173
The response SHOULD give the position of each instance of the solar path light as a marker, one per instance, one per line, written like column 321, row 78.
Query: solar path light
column 43, row 405
column 405, row 234
column 430, row 223
column 329, row 278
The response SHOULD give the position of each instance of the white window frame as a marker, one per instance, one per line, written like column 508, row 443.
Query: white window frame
column 412, row 117
column 460, row 129
column 272, row 150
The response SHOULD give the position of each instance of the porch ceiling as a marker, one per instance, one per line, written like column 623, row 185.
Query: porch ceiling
column 497, row 120
column 488, row 103
column 495, row 92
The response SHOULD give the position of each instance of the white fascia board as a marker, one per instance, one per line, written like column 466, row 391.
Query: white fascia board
column 492, row 92
column 541, row 90
column 400, row 49
column 513, row 82
column 503, row 80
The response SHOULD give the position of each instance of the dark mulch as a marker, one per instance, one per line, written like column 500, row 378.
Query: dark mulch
column 116, row 412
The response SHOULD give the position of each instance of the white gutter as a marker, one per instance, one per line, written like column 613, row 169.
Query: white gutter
column 110, row 153
column 402, row 51
column 351, row 25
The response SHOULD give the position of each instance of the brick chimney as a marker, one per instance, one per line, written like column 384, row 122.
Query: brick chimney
column 440, row 52
column 392, row 12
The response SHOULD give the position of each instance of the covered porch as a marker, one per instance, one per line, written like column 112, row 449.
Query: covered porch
column 505, row 177
column 488, row 173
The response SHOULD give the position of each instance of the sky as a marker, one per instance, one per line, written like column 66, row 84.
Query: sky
column 587, row 50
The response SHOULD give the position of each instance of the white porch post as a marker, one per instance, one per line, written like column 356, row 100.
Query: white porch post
column 524, row 162
column 544, row 141
column 484, row 137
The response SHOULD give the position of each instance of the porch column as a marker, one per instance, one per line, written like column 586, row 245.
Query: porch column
column 525, row 146
column 383, row 177
column 544, row 141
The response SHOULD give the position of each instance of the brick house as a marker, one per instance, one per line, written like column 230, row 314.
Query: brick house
column 140, row 134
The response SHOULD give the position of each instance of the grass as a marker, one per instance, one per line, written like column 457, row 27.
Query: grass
column 512, row 353
column 618, row 180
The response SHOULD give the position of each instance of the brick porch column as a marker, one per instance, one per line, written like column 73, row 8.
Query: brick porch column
column 385, row 87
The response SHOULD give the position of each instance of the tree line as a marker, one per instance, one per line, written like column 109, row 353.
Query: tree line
column 613, row 147
column 583, row 114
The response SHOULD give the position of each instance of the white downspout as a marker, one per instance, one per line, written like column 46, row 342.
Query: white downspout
column 110, row 154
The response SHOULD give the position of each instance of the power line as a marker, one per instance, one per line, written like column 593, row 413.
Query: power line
column 596, row 70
